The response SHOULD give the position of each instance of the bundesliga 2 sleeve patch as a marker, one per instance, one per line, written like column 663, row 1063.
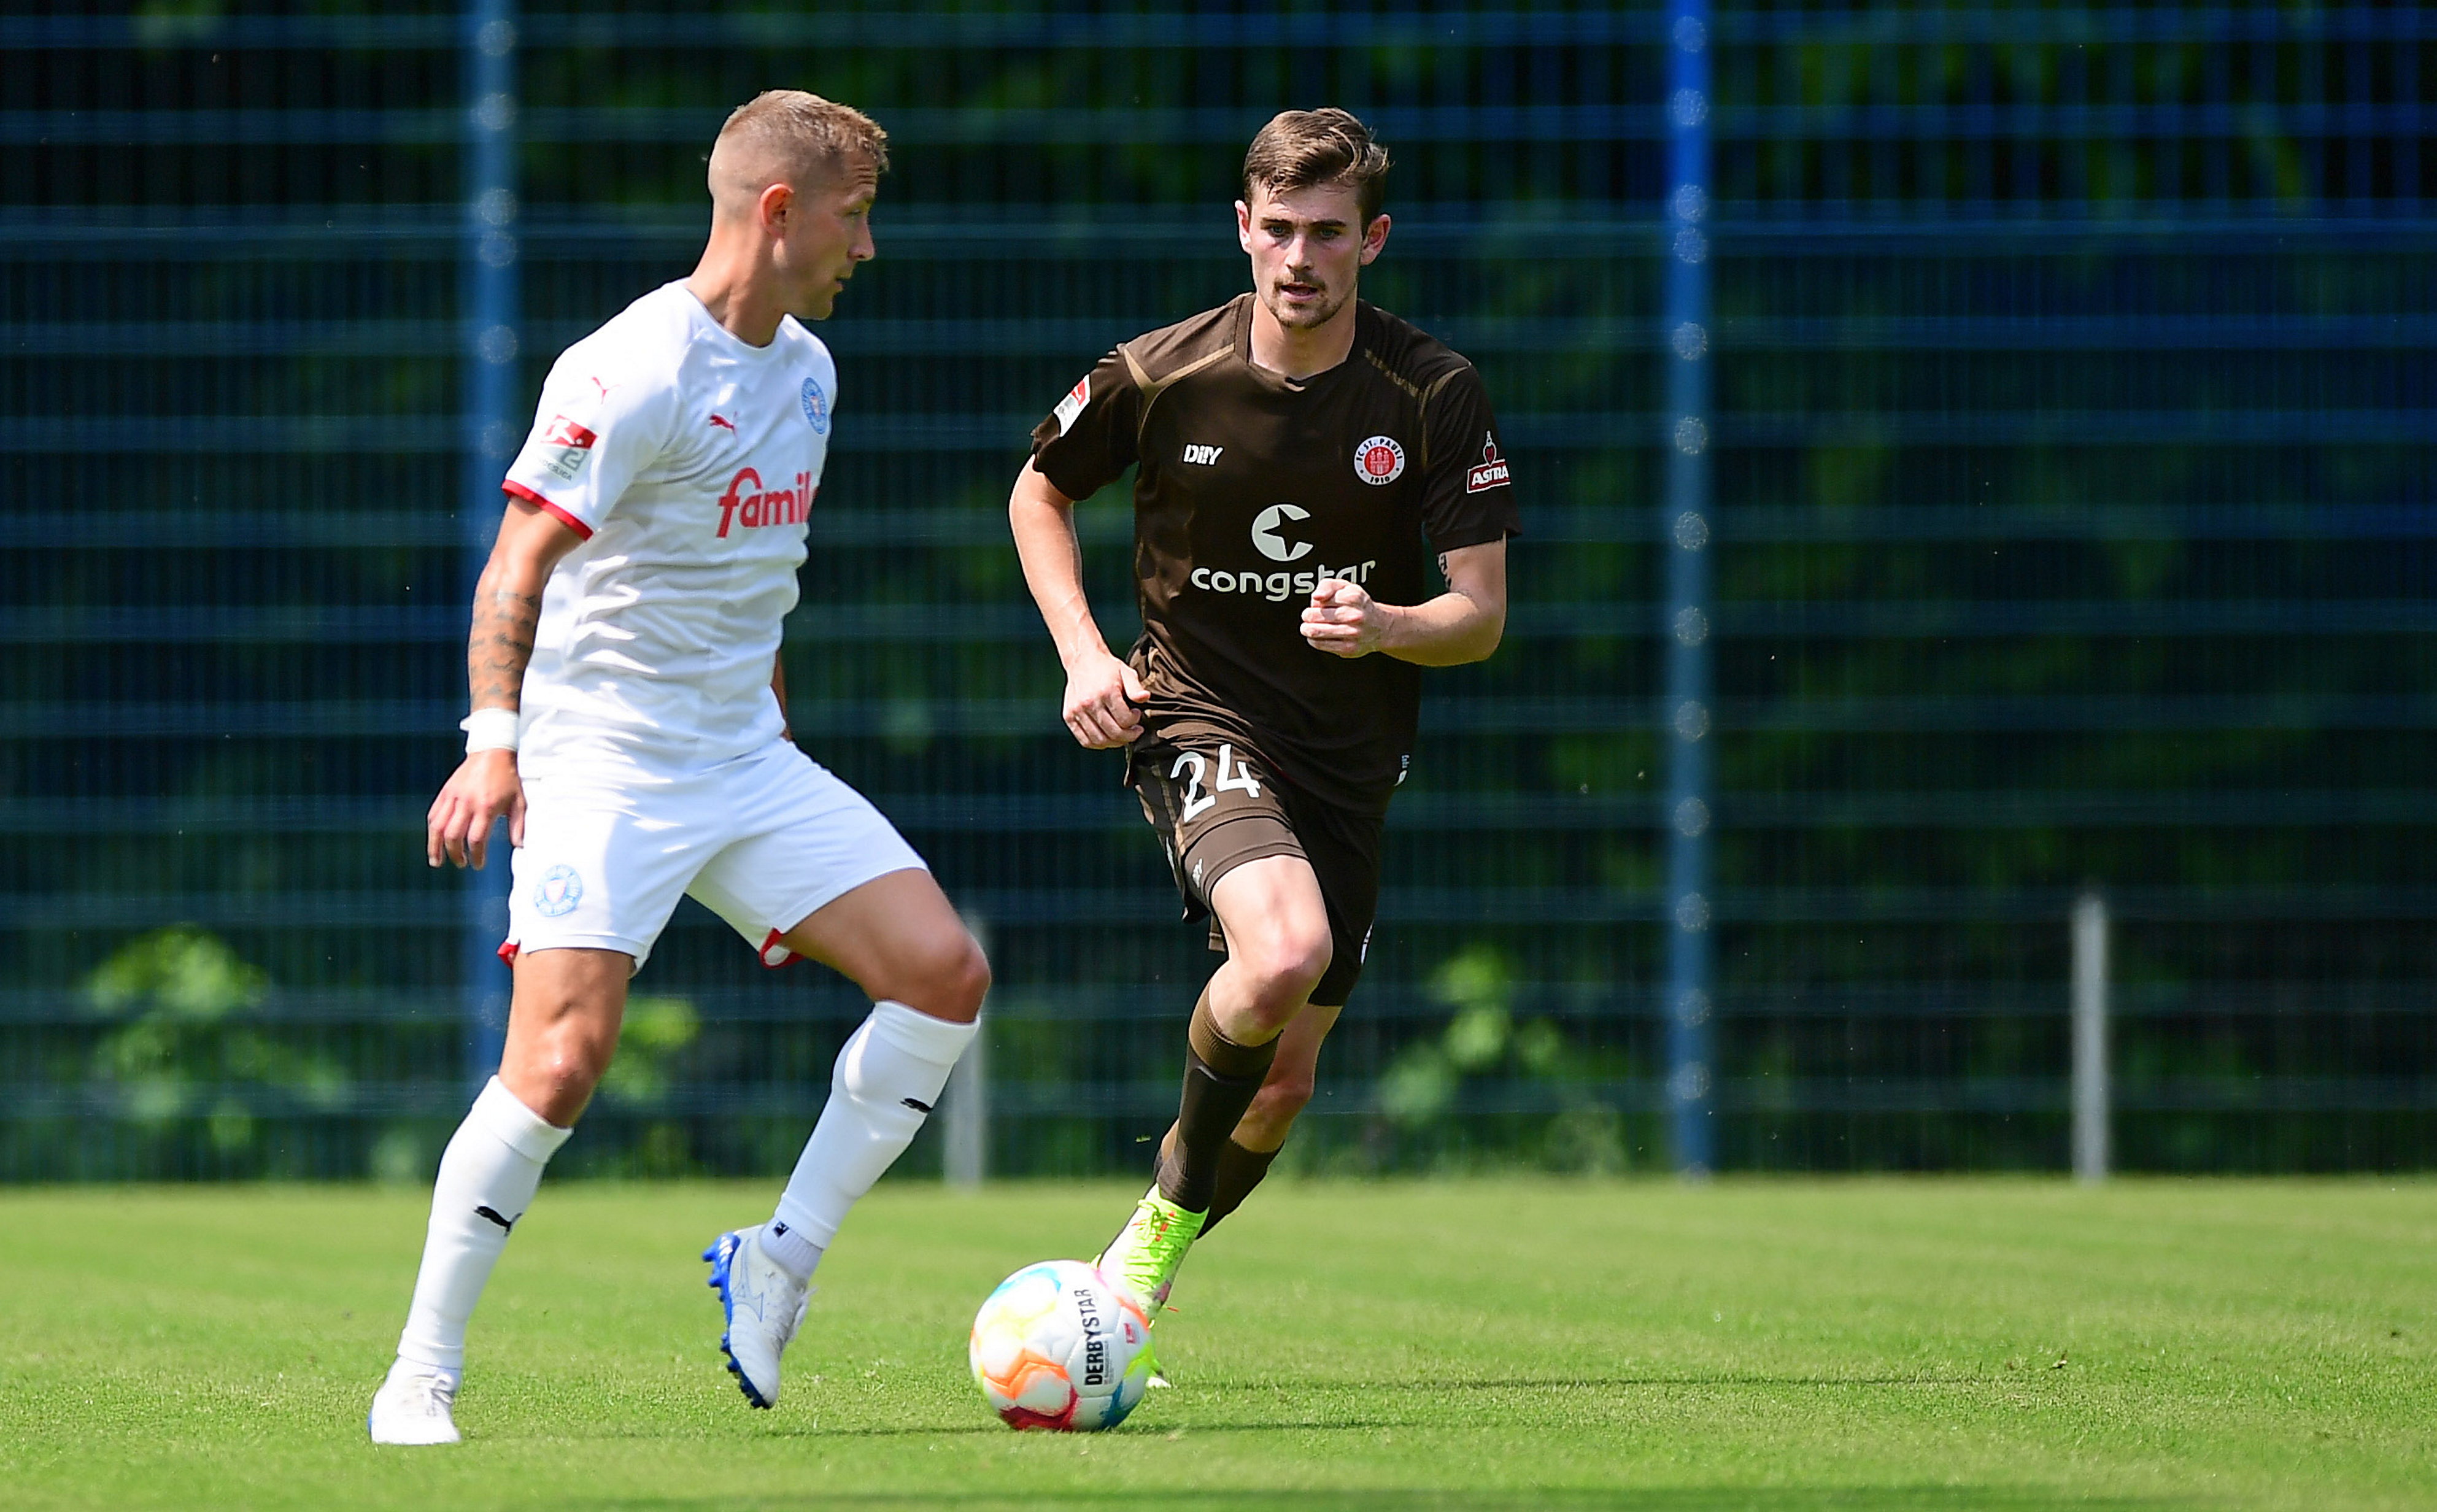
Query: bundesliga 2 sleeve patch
column 563, row 448
column 1490, row 471
column 1071, row 405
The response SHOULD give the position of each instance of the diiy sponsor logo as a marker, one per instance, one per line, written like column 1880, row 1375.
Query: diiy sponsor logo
column 747, row 504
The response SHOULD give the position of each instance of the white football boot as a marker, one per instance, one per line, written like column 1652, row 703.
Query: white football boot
column 414, row 1406
column 765, row 1305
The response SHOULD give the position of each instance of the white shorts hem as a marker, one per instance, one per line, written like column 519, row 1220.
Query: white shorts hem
column 819, row 901
column 636, row 950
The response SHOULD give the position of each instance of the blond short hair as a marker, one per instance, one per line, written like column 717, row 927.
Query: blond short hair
column 802, row 130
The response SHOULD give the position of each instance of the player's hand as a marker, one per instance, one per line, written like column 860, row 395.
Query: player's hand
column 1342, row 619
column 1103, row 696
column 482, row 791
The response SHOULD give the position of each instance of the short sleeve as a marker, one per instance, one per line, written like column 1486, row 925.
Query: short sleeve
column 1089, row 439
column 1467, row 498
column 593, row 433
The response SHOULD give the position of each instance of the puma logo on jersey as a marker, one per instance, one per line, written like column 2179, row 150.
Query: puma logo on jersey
column 723, row 422
column 751, row 505
column 1203, row 455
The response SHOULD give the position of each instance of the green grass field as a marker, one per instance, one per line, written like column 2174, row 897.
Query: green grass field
column 1518, row 1344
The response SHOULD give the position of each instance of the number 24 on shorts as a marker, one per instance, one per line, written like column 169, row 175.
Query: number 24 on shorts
column 1240, row 780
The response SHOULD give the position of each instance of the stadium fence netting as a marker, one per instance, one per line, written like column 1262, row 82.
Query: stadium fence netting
column 2068, row 529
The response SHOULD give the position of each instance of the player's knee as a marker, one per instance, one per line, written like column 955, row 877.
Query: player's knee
column 556, row 1078
column 572, row 1069
column 969, row 978
column 1280, row 1098
column 1292, row 960
column 950, row 980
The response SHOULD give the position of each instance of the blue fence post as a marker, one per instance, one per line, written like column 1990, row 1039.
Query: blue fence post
column 490, row 438
column 1689, row 1084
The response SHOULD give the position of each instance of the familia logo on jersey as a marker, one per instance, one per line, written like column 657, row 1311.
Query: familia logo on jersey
column 746, row 503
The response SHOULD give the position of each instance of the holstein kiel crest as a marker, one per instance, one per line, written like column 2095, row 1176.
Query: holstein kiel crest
column 1380, row 460
column 558, row 891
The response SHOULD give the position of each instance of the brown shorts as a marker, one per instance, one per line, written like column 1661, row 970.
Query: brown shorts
column 1215, row 807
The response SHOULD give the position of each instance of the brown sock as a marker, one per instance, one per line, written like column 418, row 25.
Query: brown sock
column 1223, row 1055
column 1220, row 1077
column 1239, row 1171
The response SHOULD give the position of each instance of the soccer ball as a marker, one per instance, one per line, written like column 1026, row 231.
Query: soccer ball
column 1060, row 1346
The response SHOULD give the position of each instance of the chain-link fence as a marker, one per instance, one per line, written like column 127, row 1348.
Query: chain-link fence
column 2005, row 473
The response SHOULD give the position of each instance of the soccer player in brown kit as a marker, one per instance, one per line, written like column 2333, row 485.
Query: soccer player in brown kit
column 1295, row 449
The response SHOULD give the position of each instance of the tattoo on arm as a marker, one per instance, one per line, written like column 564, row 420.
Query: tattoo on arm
column 502, row 644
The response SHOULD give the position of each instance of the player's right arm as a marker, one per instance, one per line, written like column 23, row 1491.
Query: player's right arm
column 507, row 612
column 1079, row 449
column 1102, row 692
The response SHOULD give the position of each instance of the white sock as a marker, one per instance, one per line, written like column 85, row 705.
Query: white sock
column 888, row 1076
column 487, row 1178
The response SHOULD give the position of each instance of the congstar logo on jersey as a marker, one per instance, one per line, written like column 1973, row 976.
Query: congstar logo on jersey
column 1267, row 541
column 748, row 505
column 1269, row 538
column 1279, row 587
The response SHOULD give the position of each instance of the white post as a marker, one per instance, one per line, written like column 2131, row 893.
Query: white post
column 2089, row 1038
column 965, row 1143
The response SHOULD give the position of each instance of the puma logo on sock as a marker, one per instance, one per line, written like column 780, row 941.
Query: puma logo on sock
column 486, row 1211
column 917, row 1106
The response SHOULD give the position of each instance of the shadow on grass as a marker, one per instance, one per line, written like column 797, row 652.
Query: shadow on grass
column 1440, row 1386
column 1665, row 1499
column 1389, row 1392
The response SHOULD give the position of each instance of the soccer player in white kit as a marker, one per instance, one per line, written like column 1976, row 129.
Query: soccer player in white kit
column 627, row 723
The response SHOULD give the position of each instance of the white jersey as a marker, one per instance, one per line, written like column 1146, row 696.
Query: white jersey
column 688, row 461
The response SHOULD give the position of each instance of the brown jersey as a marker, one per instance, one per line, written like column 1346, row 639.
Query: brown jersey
column 1250, row 489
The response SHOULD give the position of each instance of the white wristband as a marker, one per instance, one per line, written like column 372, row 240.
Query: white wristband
column 489, row 730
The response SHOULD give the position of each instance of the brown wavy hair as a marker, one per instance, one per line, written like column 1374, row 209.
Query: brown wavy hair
column 1299, row 148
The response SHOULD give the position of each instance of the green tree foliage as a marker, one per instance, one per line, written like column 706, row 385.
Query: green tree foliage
column 182, row 1046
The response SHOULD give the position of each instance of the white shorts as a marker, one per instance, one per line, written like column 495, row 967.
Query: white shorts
column 764, row 841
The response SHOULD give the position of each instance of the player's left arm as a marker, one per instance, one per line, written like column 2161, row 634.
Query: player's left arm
column 778, row 690
column 1462, row 624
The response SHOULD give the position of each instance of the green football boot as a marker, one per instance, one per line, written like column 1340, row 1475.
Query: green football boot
column 1143, row 1259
